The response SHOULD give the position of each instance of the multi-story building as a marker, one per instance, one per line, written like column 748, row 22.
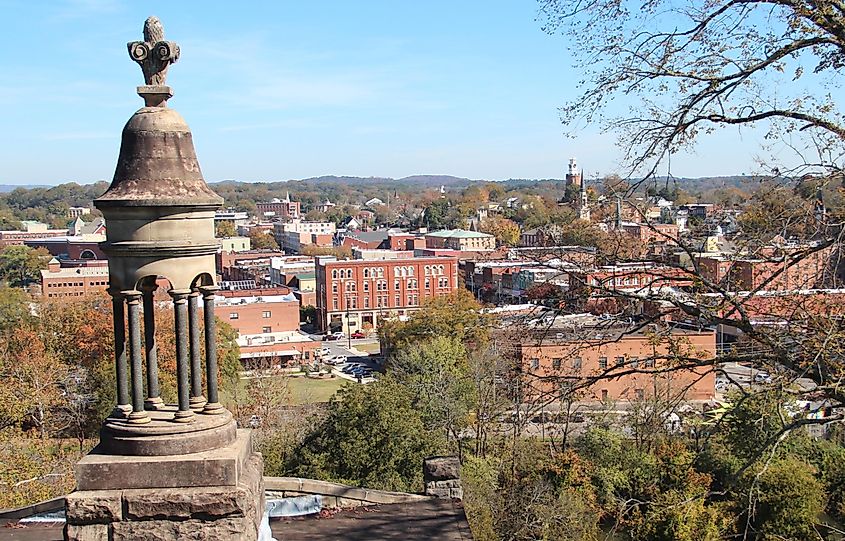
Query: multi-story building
column 78, row 212
column 636, row 277
column 31, row 231
column 774, row 270
column 283, row 209
column 616, row 361
column 292, row 236
column 238, row 219
column 70, row 246
column 235, row 244
column 267, row 321
column 58, row 281
column 460, row 239
column 356, row 294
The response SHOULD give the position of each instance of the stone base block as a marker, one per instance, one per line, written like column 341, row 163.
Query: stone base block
column 227, row 511
column 220, row 467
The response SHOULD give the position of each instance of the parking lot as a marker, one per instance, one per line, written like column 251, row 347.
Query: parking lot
column 353, row 355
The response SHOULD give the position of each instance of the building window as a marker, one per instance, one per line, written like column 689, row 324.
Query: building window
column 620, row 361
column 366, row 273
column 535, row 364
column 366, row 302
column 265, row 314
column 398, row 300
column 396, row 285
column 334, row 288
column 334, row 304
column 604, row 395
column 427, row 281
column 635, row 362
column 427, row 270
column 556, row 364
column 266, row 330
column 602, row 363
column 576, row 364
column 334, row 274
column 639, row 394
column 649, row 363
column 234, row 315
column 366, row 286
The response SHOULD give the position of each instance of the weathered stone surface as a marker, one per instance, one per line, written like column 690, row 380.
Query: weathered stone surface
column 220, row 467
column 440, row 468
column 93, row 506
column 89, row 532
column 229, row 529
column 450, row 483
column 439, row 492
column 186, row 503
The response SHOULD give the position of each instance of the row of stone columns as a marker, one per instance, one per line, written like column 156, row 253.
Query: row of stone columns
column 131, row 400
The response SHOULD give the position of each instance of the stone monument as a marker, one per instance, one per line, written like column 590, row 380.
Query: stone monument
column 164, row 471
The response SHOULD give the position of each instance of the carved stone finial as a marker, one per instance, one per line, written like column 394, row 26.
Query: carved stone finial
column 154, row 55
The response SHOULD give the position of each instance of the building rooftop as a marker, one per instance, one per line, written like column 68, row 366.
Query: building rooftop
column 240, row 300
column 457, row 234
column 75, row 271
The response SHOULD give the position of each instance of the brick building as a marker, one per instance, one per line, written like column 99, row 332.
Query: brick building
column 58, row 281
column 293, row 236
column 356, row 294
column 283, row 209
column 637, row 277
column 578, row 348
column 267, row 321
column 773, row 271
column 70, row 247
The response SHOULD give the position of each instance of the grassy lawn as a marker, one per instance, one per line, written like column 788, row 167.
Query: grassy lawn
column 309, row 391
column 369, row 348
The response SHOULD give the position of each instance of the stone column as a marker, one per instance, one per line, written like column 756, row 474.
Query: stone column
column 197, row 400
column 154, row 400
column 180, row 308
column 124, row 408
column 138, row 415
column 213, row 406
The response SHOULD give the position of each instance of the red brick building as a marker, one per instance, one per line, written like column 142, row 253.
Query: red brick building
column 284, row 209
column 356, row 294
column 57, row 281
column 622, row 364
column 267, row 321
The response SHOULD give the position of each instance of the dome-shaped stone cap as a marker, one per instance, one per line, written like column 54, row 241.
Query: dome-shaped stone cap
column 157, row 165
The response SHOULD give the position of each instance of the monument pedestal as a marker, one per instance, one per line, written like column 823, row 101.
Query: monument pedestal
column 210, row 495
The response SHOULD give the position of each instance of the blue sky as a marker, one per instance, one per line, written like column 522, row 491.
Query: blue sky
column 280, row 90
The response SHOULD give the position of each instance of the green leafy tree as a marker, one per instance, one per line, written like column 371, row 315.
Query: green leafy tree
column 371, row 436
column 435, row 371
column 21, row 265
column 787, row 498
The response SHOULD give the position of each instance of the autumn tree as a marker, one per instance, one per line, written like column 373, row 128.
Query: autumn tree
column 224, row 229
column 262, row 240
column 506, row 231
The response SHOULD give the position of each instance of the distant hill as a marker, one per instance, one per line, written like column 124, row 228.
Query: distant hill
column 416, row 180
column 6, row 188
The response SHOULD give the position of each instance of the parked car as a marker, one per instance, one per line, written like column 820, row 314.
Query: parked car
column 336, row 360
column 762, row 377
column 358, row 335
column 350, row 367
column 322, row 352
column 334, row 336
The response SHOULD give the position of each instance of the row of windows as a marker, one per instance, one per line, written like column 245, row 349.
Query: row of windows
column 77, row 284
column 381, row 285
column 619, row 281
column 633, row 362
column 265, row 314
column 381, row 301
